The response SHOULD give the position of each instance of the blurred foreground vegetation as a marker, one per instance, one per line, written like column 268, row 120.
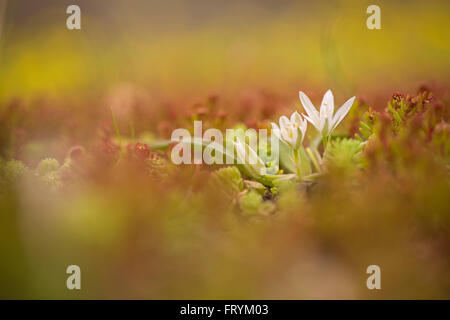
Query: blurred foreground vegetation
column 141, row 227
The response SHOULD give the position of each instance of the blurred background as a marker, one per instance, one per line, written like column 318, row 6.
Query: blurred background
column 160, row 65
column 195, row 47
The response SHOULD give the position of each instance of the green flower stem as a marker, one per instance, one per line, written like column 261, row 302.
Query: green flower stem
column 313, row 159
column 297, row 160
column 325, row 141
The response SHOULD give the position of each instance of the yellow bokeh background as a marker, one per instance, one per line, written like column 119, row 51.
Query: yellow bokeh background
column 169, row 49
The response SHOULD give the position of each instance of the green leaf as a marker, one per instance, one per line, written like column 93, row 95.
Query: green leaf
column 303, row 162
column 286, row 158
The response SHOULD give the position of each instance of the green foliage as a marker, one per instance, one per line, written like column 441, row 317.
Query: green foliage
column 49, row 172
column 345, row 153
column 53, row 180
column 11, row 171
column 47, row 166
column 441, row 140
column 289, row 196
column 256, row 186
column 252, row 203
column 402, row 107
column 366, row 125
column 184, row 230
column 228, row 180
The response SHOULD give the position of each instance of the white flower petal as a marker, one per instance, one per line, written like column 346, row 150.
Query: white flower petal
column 312, row 122
column 296, row 118
column 275, row 130
column 293, row 140
column 240, row 151
column 309, row 108
column 301, row 130
column 327, row 106
column 322, row 121
column 303, row 127
column 284, row 122
column 286, row 135
column 342, row 112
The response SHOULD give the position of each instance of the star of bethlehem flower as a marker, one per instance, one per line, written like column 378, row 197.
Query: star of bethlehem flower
column 291, row 131
column 324, row 121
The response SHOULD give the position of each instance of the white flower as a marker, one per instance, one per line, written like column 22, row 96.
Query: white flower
column 324, row 121
column 291, row 131
column 248, row 157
